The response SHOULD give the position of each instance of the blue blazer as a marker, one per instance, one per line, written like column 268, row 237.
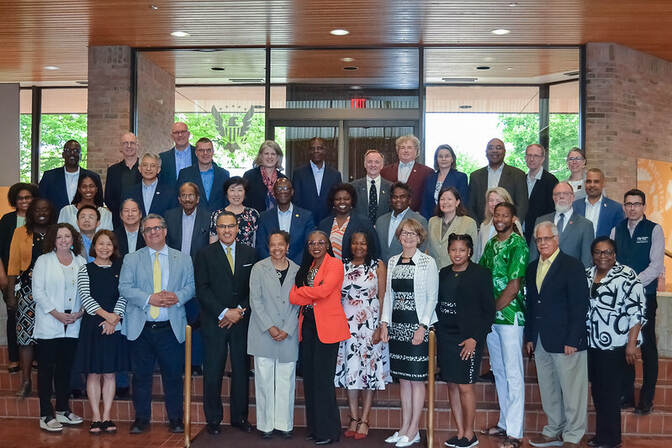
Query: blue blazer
column 305, row 191
column 455, row 179
column 357, row 224
column 200, row 236
column 167, row 175
column 217, row 199
column 302, row 225
column 255, row 196
column 611, row 214
column 136, row 284
column 164, row 199
column 52, row 186
column 557, row 313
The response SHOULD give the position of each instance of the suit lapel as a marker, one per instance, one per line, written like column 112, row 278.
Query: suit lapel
column 550, row 273
column 223, row 260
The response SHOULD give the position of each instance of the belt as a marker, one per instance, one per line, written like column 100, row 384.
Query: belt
column 155, row 325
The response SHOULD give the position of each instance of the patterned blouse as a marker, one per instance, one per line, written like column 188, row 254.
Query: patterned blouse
column 616, row 305
column 247, row 225
column 336, row 237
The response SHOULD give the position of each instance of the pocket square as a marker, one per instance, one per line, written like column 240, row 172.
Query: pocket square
column 248, row 264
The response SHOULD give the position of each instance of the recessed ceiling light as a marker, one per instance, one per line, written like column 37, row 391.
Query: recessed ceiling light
column 154, row 7
column 500, row 31
column 339, row 32
column 217, row 69
column 483, row 67
column 347, row 59
column 350, row 67
column 51, row 67
column 180, row 34
column 509, row 68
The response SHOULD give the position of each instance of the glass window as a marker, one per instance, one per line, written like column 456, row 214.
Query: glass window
column 25, row 134
column 563, row 126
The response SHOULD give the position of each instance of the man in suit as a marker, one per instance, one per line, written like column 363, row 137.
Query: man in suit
column 576, row 232
column 313, row 181
column 156, row 281
column 59, row 185
column 153, row 195
column 640, row 244
column 603, row 212
column 555, row 332
column 122, row 176
column 373, row 192
column 223, row 285
column 207, row 175
column 285, row 216
column 386, row 225
column 128, row 233
column 407, row 170
column 180, row 156
column 540, row 184
column 497, row 174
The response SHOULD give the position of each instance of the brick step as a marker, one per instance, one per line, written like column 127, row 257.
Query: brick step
column 657, row 423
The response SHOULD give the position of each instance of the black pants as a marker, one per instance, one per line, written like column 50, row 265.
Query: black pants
column 649, row 360
column 319, row 368
column 55, row 359
column 606, row 369
column 218, row 342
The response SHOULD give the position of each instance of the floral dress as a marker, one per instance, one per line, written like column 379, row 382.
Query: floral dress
column 247, row 225
column 361, row 364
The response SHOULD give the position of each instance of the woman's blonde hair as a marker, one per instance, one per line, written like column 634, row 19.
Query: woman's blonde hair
column 502, row 193
column 415, row 226
column 272, row 144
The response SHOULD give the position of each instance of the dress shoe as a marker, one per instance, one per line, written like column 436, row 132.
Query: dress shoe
column 286, row 434
column 243, row 426
column 176, row 426
column 643, row 409
column 24, row 390
column 544, row 441
column 405, row 441
column 139, row 426
column 266, row 434
column 394, row 438
column 592, row 442
column 213, row 428
column 323, row 441
column 570, row 445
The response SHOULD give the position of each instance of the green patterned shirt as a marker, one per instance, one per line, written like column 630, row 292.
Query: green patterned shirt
column 507, row 260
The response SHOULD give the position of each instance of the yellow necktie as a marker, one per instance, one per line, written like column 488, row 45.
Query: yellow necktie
column 154, row 310
column 229, row 257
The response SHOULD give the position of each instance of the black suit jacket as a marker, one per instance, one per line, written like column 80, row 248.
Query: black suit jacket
column 7, row 226
column 114, row 190
column 165, row 198
column 255, row 196
column 123, row 240
column 512, row 180
column 558, row 312
column 52, row 186
column 540, row 202
column 306, row 194
column 200, row 236
column 167, row 175
column 218, row 288
column 357, row 224
column 217, row 199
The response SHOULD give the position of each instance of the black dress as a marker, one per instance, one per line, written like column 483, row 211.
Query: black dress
column 98, row 353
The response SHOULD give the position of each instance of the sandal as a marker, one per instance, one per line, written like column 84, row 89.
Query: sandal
column 96, row 428
column 349, row 433
column 510, row 442
column 494, row 431
column 109, row 426
column 362, row 435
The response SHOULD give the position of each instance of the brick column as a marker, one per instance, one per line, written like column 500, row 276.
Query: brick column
column 156, row 106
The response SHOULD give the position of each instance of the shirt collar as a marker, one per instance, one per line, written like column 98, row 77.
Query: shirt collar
column 156, row 181
column 375, row 179
column 536, row 176
column 315, row 168
column 162, row 251
column 67, row 173
column 632, row 226
column 501, row 167
column 193, row 214
column 210, row 170
column 233, row 246
column 406, row 164
column 599, row 202
column 402, row 214
column 552, row 258
column 288, row 212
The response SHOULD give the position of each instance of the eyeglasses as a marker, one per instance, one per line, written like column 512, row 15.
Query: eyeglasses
column 544, row 239
column 534, row 156
column 148, row 166
column 128, row 143
column 408, row 234
column 603, row 253
column 24, row 198
column 153, row 229
column 317, row 243
column 179, row 132
column 188, row 196
column 283, row 188
column 575, row 159
column 205, row 150
column 562, row 194
column 496, row 148
column 226, row 226
column 633, row 204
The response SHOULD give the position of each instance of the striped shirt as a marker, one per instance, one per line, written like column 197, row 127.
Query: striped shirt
column 88, row 302
column 336, row 237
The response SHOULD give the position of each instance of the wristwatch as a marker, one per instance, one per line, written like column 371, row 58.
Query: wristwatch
column 423, row 326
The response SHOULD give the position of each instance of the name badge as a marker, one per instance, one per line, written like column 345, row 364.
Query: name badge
column 642, row 240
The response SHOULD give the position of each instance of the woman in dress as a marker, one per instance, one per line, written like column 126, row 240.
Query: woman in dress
column 486, row 231
column 273, row 337
column 466, row 310
column 445, row 175
column 58, row 312
column 87, row 194
column 262, row 177
column 615, row 317
column 236, row 189
column 576, row 163
column 20, row 196
column 342, row 223
column 450, row 217
column 408, row 311
column 363, row 360
column 102, row 349
column 322, row 326
column 26, row 247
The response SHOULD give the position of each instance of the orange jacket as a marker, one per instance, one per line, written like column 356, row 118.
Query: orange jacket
column 325, row 296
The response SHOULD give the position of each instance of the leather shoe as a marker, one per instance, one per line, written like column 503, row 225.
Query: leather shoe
column 213, row 428
column 592, row 442
column 243, row 426
column 310, row 437
column 266, row 435
column 139, row 426
column 286, row 434
column 323, row 441
column 642, row 409
column 176, row 426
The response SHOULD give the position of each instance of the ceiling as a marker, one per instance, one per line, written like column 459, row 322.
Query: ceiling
column 58, row 32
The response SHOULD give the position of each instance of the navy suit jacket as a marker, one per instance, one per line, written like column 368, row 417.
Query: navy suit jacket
column 217, row 199
column 302, row 224
column 455, row 179
column 357, row 224
column 122, row 240
column 165, row 198
column 255, row 196
column 558, row 312
column 200, row 236
column 611, row 214
column 305, row 190
column 113, row 189
column 52, row 186
column 167, row 175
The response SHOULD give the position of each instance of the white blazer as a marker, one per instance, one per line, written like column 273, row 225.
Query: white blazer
column 49, row 295
column 425, row 288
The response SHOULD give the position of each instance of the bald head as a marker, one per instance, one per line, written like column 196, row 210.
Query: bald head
column 129, row 146
column 495, row 152
column 180, row 135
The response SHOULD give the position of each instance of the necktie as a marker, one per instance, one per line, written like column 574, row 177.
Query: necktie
column 229, row 256
column 156, row 271
column 561, row 223
column 373, row 203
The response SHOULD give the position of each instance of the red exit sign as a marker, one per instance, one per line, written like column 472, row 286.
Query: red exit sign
column 358, row 103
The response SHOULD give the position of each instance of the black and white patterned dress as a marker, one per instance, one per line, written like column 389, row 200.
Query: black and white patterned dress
column 407, row 361
column 25, row 311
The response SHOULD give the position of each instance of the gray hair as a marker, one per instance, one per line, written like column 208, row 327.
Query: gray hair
column 551, row 224
column 153, row 155
column 152, row 216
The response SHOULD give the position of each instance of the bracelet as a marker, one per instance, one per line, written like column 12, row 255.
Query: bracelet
column 423, row 326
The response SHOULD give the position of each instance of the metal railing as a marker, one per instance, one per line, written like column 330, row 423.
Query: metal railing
column 431, row 369
column 187, row 387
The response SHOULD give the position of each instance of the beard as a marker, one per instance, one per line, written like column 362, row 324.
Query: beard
column 562, row 208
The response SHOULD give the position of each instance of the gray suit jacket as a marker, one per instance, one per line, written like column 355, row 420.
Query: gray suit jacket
column 512, row 180
column 382, row 227
column 269, row 302
column 575, row 240
column 361, row 188
column 136, row 284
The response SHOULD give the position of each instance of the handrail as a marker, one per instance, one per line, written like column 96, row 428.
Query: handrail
column 187, row 387
column 430, row 386
column 668, row 253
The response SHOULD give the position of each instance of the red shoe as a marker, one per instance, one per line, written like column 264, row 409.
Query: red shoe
column 362, row 435
column 349, row 433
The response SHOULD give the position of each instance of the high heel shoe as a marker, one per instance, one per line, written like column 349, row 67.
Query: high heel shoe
column 349, row 433
column 24, row 390
column 362, row 435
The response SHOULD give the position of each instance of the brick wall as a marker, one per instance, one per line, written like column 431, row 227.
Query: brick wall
column 628, row 112
column 156, row 106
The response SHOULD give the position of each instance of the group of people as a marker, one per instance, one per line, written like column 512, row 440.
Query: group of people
column 344, row 279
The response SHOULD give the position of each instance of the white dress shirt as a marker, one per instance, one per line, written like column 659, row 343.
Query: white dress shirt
column 165, row 274
column 404, row 171
column 71, row 180
column 285, row 218
column 531, row 181
column 394, row 223
column 377, row 182
column 494, row 175
column 318, row 174
column 592, row 213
